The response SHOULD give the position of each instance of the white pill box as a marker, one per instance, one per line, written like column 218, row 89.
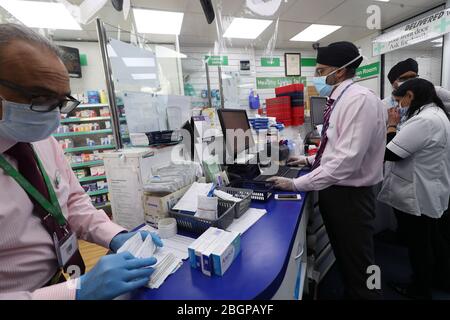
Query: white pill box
column 214, row 251
column 226, row 251
column 201, row 243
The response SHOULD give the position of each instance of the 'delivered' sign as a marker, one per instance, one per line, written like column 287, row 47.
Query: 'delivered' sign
column 420, row 30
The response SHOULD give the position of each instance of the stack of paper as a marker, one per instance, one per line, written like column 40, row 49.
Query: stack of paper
column 167, row 262
column 249, row 218
column 189, row 202
column 177, row 244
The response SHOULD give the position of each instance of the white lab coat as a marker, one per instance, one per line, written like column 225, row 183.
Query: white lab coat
column 420, row 183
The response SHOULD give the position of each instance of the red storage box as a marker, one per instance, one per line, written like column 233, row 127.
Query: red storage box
column 290, row 88
column 279, row 108
column 298, row 116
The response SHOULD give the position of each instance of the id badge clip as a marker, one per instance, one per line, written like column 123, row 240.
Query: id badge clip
column 65, row 248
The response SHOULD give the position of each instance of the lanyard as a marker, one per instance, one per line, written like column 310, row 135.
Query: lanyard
column 340, row 96
column 52, row 206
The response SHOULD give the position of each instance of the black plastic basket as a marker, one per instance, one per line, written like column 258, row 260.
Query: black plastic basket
column 189, row 223
column 262, row 190
column 242, row 206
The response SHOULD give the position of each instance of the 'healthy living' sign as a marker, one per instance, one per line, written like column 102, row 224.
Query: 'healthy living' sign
column 423, row 29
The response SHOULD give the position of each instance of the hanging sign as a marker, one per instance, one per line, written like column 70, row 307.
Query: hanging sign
column 368, row 71
column 423, row 29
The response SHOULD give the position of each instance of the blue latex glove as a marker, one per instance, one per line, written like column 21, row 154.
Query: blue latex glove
column 120, row 239
column 114, row 275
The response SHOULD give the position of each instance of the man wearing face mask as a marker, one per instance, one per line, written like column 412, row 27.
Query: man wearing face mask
column 43, row 207
column 348, row 164
column 402, row 72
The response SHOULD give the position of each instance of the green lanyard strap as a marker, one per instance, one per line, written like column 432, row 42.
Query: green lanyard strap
column 52, row 206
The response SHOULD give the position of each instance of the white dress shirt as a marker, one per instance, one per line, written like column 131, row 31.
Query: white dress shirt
column 354, row 153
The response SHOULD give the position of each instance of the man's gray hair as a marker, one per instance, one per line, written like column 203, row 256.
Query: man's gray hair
column 11, row 31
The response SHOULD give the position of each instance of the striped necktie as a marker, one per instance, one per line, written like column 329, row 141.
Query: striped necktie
column 324, row 139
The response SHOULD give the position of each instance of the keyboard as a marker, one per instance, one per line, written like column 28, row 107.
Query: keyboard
column 283, row 171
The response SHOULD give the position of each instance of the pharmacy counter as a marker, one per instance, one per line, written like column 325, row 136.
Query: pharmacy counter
column 272, row 262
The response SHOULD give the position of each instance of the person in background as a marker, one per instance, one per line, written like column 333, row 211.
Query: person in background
column 347, row 166
column 417, row 183
column 43, row 207
column 404, row 71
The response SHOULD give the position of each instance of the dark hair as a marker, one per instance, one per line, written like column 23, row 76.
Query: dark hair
column 424, row 93
column 350, row 72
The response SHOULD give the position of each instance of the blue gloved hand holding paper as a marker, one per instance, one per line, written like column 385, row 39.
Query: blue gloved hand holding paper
column 121, row 238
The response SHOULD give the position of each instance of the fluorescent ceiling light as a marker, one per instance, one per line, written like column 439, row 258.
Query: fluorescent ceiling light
column 315, row 32
column 383, row 0
column 158, row 22
column 438, row 46
column 242, row 28
column 439, row 40
column 35, row 14
column 143, row 76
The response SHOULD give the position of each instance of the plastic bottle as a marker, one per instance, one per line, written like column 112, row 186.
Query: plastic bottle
column 299, row 145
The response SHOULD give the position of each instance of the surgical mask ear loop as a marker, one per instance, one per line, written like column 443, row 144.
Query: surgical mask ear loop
column 345, row 65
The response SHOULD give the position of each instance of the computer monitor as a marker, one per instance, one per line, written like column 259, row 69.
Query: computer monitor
column 231, row 119
column 317, row 105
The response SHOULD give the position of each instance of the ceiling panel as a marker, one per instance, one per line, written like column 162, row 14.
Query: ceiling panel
column 310, row 10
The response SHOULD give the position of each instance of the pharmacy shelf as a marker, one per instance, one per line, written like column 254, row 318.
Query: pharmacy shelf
column 102, row 205
column 92, row 105
column 81, row 133
column 77, row 120
column 98, row 192
column 89, row 148
column 87, row 164
column 92, row 178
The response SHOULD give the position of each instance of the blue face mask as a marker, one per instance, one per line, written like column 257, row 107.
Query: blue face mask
column 20, row 124
column 322, row 87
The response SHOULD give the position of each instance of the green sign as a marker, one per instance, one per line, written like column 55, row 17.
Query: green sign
column 309, row 62
column 83, row 59
column 270, row 62
column 275, row 82
column 217, row 60
column 368, row 71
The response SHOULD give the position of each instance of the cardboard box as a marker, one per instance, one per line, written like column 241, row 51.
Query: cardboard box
column 156, row 206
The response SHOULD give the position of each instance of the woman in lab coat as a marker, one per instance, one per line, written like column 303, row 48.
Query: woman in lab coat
column 417, row 183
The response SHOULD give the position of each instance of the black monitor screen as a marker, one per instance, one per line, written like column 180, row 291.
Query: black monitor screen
column 231, row 119
column 317, row 108
column 71, row 59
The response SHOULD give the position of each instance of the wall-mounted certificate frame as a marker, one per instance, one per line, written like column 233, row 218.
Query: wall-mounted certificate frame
column 292, row 63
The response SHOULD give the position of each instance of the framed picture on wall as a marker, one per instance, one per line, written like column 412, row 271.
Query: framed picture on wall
column 292, row 63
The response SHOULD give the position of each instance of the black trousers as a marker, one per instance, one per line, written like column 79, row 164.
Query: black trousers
column 348, row 214
column 428, row 251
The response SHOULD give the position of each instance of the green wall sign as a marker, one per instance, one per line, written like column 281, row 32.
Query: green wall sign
column 368, row 71
column 308, row 62
column 83, row 59
column 270, row 62
column 217, row 60
column 274, row 82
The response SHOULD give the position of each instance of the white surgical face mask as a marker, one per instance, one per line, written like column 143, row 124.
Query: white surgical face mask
column 323, row 88
column 20, row 124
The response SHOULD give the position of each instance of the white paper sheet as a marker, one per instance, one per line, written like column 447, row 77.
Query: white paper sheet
column 248, row 219
column 177, row 245
column 189, row 202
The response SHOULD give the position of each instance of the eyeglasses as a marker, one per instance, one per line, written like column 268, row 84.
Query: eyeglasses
column 39, row 103
column 320, row 71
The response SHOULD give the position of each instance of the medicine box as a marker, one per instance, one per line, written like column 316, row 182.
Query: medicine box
column 225, row 252
column 156, row 206
column 205, row 239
